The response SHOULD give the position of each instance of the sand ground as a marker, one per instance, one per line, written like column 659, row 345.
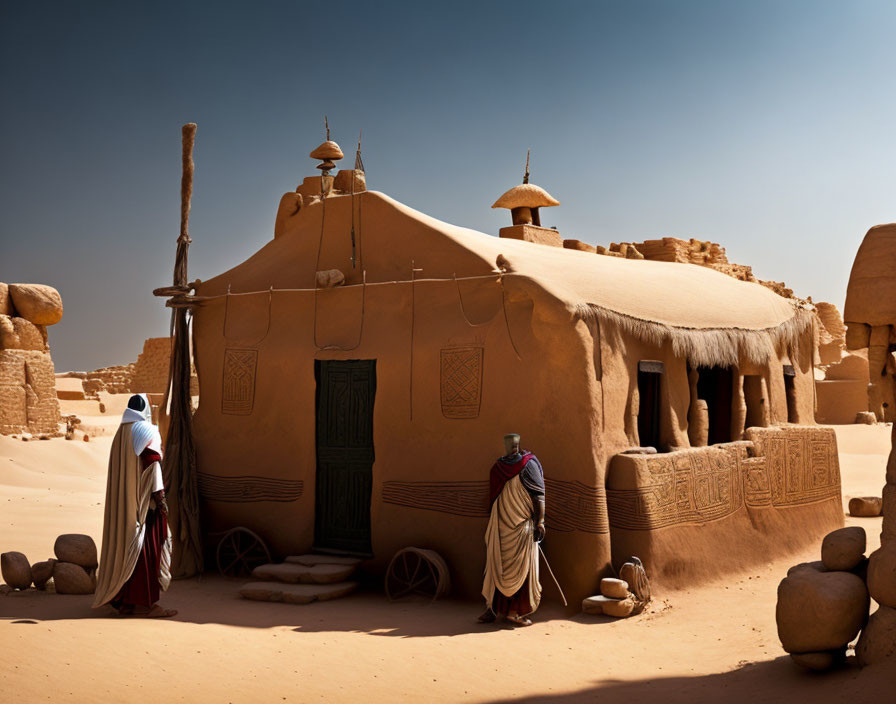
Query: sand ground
column 710, row 643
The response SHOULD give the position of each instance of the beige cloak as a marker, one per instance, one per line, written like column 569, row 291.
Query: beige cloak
column 511, row 553
column 128, row 497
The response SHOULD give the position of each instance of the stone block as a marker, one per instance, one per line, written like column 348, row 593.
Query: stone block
column 820, row 610
column 72, row 579
column 532, row 233
column 42, row 572
column 878, row 640
column 345, row 177
column 40, row 304
column 579, row 245
column 304, row 574
column 843, row 549
column 882, row 575
column 16, row 570
column 312, row 559
column 296, row 593
column 77, row 549
column 6, row 306
column 614, row 588
column 865, row 506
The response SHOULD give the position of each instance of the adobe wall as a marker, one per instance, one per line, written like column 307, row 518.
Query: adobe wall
column 703, row 512
column 430, row 476
column 151, row 369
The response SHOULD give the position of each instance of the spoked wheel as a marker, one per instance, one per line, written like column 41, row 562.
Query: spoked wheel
column 417, row 571
column 240, row 551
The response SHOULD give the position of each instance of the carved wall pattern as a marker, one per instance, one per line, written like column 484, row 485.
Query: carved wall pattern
column 461, row 381
column 569, row 506
column 238, row 383
column 693, row 486
column 248, row 489
column 792, row 466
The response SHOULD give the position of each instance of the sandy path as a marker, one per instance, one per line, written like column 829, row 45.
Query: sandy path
column 703, row 644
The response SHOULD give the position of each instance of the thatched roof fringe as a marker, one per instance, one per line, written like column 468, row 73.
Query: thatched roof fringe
column 708, row 346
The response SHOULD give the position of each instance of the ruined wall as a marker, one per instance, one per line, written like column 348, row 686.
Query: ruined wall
column 28, row 401
column 692, row 251
column 151, row 370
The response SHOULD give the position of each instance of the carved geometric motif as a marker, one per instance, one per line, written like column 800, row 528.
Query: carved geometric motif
column 238, row 384
column 461, row 382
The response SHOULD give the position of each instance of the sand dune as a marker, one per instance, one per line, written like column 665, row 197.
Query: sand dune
column 702, row 644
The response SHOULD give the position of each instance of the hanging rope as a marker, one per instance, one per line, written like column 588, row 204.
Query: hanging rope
column 267, row 329
column 506, row 321
column 463, row 312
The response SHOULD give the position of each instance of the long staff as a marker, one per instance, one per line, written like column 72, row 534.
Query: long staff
column 551, row 572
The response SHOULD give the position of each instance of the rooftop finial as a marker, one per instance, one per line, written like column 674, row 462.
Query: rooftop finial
column 526, row 175
column 359, row 164
column 327, row 125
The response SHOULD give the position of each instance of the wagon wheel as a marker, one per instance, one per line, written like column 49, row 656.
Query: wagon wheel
column 417, row 571
column 240, row 551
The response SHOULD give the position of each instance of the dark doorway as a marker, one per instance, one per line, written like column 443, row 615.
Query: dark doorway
column 345, row 395
column 755, row 401
column 714, row 385
column 650, row 376
column 790, row 390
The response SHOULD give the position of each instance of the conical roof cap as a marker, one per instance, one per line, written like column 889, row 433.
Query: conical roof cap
column 526, row 195
column 327, row 150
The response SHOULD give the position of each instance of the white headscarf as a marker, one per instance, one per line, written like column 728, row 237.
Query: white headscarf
column 143, row 433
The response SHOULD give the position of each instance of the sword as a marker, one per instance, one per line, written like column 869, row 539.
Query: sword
column 551, row 572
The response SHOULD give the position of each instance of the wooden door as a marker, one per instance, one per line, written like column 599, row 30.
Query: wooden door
column 345, row 396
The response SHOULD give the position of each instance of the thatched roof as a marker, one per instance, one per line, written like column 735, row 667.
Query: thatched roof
column 327, row 150
column 526, row 195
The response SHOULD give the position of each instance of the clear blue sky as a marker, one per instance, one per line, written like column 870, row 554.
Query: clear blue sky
column 766, row 126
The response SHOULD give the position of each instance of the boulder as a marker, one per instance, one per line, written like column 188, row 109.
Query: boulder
column 41, row 572
column 816, row 566
column 614, row 588
column 820, row 610
column 16, row 570
column 865, row 418
column 843, row 549
column 76, row 548
column 865, row 506
column 72, row 579
column 878, row 640
column 882, row 575
column 40, row 304
column 821, row 661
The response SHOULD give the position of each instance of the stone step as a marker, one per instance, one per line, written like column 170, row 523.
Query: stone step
column 312, row 559
column 303, row 574
column 296, row 593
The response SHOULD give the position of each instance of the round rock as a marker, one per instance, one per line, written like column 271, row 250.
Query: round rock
column 816, row 566
column 16, row 570
column 878, row 640
column 76, row 548
column 614, row 588
column 843, row 549
column 821, row 661
column 820, row 610
column 40, row 304
column 882, row 575
column 41, row 572
column 865, row 506
column 72, row 579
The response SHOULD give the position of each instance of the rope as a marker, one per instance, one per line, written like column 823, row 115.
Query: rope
column 463, row 312
column 506, row 321
column 413, row 316
column 360, row 331
column 267, row 329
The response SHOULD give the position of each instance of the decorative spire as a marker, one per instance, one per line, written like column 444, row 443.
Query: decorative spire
column 328, row 152
column 327, row 126
column 359, row 163
column 526, row 175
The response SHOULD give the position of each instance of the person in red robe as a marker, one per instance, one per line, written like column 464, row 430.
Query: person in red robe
column 511, row 586
column 136, row 549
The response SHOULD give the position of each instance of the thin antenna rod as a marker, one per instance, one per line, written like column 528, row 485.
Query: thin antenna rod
column 526, row 175
column 327, row 125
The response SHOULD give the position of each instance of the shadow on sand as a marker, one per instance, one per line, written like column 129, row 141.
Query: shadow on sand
column 215, row 599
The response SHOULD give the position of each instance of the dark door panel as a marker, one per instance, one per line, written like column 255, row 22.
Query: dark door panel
column 345, row 396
